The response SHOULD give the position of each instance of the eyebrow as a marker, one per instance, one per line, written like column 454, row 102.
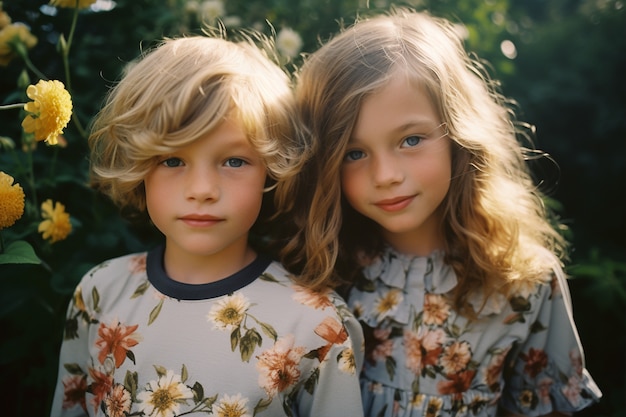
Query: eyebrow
column 417, row 124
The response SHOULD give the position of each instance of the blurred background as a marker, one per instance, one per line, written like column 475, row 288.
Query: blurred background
column 562, row 61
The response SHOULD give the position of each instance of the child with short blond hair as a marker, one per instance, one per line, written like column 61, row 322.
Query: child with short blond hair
column 197, row 134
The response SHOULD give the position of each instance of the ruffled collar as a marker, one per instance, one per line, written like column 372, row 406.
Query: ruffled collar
column 395, row 285
column 401, row 280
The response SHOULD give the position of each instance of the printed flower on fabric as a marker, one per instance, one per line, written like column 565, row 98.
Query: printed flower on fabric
column 116, row 340
column 528, row 399
column 100, row 387
column 278, row 366
column 231, row 406
column 544, row 387
column 536, row 361
column 388, row 303
column 229, row 312
column 164, row 397
column 137, row 264
column 11, row 201
column 15, row 39
column 383, row 346
column 118, row 403
column 82, row 4
column 436, row 310
column 347, row 361
column 333, row 332
column 457, row 384
column 493, row 374
column 49, row 112
column 434, row 406
column 423, row 351
column 455, row 357
column 56, row 224
column 74, row 388
column 317, row 300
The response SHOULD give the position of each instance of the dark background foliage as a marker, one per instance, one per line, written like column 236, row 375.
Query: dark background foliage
column 568, row 77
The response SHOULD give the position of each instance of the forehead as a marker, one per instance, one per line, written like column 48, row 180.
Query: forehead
column 398, row 105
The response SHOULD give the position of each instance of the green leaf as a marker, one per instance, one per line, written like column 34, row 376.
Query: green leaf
column 19, row 252
column 247, row 344
column 155, row 312
column 262, row 405
column 198, row 392
column 234, row 338
column 269, row 330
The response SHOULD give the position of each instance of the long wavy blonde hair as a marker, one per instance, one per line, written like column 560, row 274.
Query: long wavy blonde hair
column 495, row 224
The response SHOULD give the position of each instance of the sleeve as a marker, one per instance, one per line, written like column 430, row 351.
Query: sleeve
column 71, row 386
column 336, row 390
column 547, row 371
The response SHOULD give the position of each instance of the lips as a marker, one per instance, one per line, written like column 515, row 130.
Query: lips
column 394, row 204
column 200, row 220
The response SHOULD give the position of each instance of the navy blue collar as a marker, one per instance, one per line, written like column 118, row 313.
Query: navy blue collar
column 181, row 291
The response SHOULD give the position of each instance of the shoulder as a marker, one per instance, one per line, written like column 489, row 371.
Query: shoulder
column 284, row 285
column 129, row 264
column 551, row 279
column 313, row 317
column 277, row 289
column 114, row 272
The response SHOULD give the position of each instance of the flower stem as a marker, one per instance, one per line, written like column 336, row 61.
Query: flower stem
column 30, row 175
column 12, row 106
column 33, row 68
column 55, row 154
column 65, row 51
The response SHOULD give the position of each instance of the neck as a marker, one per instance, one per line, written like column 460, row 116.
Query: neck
column 203, row 269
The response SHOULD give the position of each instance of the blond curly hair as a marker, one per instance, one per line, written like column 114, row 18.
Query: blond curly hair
column 178, row 92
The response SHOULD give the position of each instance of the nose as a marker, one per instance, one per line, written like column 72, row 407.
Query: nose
column 386, row 170
column 202, row 184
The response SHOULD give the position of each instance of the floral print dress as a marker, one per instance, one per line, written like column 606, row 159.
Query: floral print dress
column 138, row 343
column 422, row 359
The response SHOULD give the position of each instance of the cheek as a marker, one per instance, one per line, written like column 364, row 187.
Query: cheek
column 250, row 196
column 436, row 170
column 354, row 189
column 157, row 195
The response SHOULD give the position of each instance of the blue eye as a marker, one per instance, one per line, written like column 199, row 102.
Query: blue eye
column 235, row 162
column 354, row 155
column 411, row 141
column 172, row 162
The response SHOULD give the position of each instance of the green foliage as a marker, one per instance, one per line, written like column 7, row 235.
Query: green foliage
column 567, row 77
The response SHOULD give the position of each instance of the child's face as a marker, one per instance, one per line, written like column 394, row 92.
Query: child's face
column 205, row 196
column 397, row 167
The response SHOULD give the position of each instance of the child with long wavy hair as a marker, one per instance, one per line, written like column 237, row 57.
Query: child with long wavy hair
column 419, row 196
column 195, row 136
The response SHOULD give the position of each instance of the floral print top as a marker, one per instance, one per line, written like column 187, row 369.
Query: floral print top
column 423, row 359
column 138, row 343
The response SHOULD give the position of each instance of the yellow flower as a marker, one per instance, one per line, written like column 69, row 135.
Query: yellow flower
column 11, row 201
column 50, row 111
column 13, row 38
column 165, row 396
column 5, row 19
column 229, row 312
column 82, row 4
column 56, row 224
column 232, row 406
